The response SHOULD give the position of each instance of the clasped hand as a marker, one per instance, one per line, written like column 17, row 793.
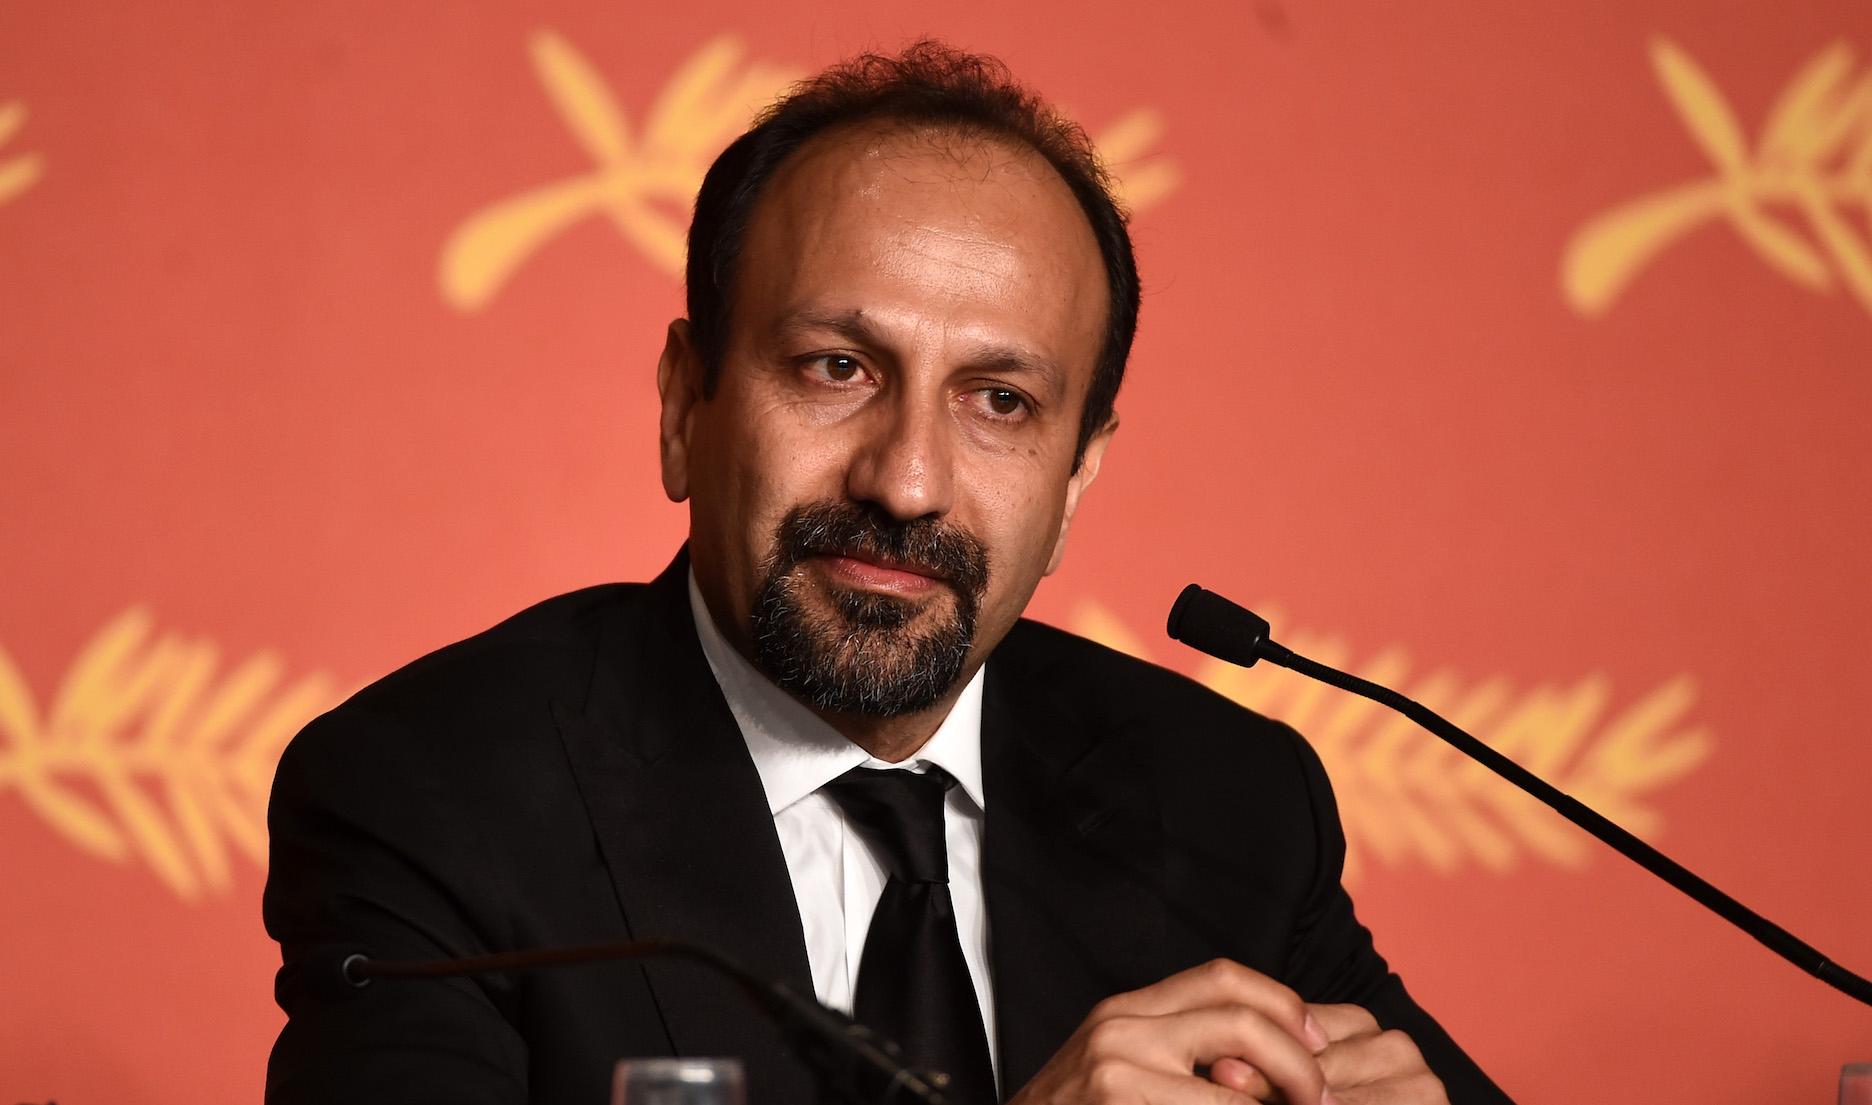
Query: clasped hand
column 1221, row 1034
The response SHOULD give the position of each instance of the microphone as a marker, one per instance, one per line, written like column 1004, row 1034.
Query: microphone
column 853, row 1063
column 1210, row 623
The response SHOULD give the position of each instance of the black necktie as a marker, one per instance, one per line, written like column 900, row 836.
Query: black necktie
column 913, row 984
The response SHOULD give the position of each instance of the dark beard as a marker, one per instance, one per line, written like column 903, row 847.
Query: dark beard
column 864, row 657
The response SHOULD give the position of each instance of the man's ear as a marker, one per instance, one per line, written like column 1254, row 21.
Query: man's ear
column 1081, row 479
column 679, row 387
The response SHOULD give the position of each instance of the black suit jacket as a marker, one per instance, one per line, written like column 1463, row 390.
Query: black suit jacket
column 573, row 776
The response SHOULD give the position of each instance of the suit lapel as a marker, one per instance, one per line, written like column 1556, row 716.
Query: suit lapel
column 1071, row 843
column 682, row 822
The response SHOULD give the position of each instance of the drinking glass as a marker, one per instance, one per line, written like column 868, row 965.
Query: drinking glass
column 678, row 1082
column 1856, row 1084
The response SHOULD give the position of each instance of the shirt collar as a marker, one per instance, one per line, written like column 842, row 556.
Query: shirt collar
column 796, row 752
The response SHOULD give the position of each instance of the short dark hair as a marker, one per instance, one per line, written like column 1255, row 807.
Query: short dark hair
column 927, row 85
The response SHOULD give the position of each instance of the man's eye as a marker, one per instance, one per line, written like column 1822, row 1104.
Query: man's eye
column 842, row 370
column 1003, row 402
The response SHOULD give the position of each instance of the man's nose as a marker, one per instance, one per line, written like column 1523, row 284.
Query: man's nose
column 905, row 462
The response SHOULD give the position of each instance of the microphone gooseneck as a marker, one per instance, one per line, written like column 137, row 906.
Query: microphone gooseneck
column 1210, row 623
column 853, row 1063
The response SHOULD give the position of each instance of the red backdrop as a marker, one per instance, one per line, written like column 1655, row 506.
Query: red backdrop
column 1521, row 356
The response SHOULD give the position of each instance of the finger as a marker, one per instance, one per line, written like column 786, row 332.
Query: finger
column 1242, row 1078
column 1220, row 982
column 1422, row 1088
column 1139, row 1084
column 1203, row 1037
column 1339, row 1022
column 1343, row 1021
column 1373, row 1058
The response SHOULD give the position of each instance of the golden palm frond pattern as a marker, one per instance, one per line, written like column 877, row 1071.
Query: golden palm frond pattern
column 151, row 754
column 643, row 180
column 1406, row 797
column 23, row 171
column 1810, row 166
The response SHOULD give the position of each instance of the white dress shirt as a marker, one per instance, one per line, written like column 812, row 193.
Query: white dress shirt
column 837, row 878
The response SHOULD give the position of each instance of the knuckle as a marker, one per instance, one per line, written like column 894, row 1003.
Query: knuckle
column 1108, row 1038
column 1107, row 1079
column 1400, row 1048
column 1287, row 1005
column 1251, row 987
column 1220, row 970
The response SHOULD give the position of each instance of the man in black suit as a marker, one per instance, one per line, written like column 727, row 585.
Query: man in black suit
column 824, row 735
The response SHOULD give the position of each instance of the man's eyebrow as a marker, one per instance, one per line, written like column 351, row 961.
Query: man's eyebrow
column 850, row 325
column 1012, row 358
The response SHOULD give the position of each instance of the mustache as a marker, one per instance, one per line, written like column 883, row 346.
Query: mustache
column 926, row 545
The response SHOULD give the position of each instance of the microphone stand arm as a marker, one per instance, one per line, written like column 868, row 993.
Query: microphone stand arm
column 1243, row 643
column 852, row 1062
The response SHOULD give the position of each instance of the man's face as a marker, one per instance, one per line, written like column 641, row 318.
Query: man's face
column 885, row 469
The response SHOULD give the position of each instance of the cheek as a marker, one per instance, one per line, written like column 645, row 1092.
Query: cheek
column 1019, row 510
column 760, row 461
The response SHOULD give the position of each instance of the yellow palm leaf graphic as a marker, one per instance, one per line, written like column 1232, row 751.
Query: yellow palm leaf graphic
column 1142, row 180
column 146, row 755
column 644, row 185
column 1700, row 103
column 18, row 173
column 1790, row 138
column 697, row 113
column 1814, row 157
column 1405, row 796
column 584, row 102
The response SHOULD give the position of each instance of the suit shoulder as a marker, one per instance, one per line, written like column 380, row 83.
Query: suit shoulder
column 1203, row 745
column 546, row 647
column 497, row 681
column 1114, row 685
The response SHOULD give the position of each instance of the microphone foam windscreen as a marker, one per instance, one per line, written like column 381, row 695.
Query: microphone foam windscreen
column 1205, row 620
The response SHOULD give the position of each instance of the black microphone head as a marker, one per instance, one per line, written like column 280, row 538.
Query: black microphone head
column 1210, row 623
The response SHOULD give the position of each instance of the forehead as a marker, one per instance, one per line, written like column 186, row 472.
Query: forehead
column 940, row 226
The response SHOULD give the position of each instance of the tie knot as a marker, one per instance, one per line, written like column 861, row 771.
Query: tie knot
column 899, row 813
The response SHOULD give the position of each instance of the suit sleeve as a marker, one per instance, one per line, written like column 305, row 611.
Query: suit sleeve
column 368, row 855
column 1332, row 959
